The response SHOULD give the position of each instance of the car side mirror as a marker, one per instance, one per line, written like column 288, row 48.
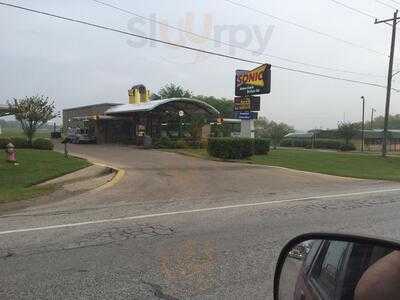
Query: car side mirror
column 337, row 266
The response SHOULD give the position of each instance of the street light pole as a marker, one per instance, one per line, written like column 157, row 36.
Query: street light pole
column 363, row 123
column 390, row 76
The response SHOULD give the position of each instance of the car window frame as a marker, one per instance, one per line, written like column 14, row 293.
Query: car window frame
column 313, row 252
column 320, row 289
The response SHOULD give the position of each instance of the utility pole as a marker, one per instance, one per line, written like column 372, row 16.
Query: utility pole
column 372, row 117
column 363, row 123
column 390, row 76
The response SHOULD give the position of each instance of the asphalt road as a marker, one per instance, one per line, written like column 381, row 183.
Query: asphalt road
column 178, row 227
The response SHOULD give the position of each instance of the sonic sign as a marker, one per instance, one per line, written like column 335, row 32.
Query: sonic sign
column 254, row 82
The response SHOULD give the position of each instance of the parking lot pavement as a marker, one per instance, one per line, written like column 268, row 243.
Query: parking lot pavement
column 177, row 227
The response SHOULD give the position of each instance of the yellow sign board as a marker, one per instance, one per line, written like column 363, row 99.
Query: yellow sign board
column 254, row 82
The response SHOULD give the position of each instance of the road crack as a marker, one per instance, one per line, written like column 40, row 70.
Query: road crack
column 99, row 238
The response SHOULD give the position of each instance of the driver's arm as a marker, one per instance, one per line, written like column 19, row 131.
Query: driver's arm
column 381, row 280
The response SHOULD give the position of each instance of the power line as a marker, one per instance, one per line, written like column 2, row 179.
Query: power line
column 385, row 4
column 118, row 8
column 308, row 28
column 354, row 9
column 187, row 47
column 398, row 3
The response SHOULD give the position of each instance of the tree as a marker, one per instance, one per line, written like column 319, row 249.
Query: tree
column 261, row 127
column 347, row 130
column 174, row 91
column 196, row 126
column 273, row 130
column 223, row 105
column 277, row 132
column 394, row 122
column 32, row 113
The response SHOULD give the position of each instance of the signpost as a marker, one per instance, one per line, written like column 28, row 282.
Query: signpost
column 246, row 115
column 246, row 106
column 247, row 103
column 254, row 82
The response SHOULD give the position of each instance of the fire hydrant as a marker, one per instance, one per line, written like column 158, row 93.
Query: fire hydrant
column 11, row 153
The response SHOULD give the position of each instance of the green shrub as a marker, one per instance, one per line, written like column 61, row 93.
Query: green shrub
column 172, row 144
column 163, row 143
column 180, row 144
column 301, row 143
column 327, row 144
column 231, row 148
column 204, row 143
column 128, row 141
column 286, row 143
column 42, row 144
column 20, row 142
column 168, row 143
column 261, row 146
column 347, row 147
column 194, row 143
column 4, row 142
column 308, row 144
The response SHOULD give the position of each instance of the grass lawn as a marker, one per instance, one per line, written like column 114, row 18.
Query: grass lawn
column 35, row 166
column 368, row 166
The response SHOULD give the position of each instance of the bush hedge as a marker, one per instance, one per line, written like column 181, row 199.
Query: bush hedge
column 327, row 144
column 4, row 142
column 194, row 143
column 318, row 143
column 295, row 143
column 42, row 144
column 347, row 147
column 227, row 148
column 163, row 143
column 180, row 144
column 231, row 148
column 20, row 142
column 261, row 146
column 168, row 143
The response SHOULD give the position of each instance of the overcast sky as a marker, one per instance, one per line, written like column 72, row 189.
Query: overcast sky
column 78, row 65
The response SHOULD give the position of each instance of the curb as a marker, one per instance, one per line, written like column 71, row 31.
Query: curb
column 120, row 173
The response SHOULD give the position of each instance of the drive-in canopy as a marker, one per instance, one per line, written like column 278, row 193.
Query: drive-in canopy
column 4, row 110
column 153, row 105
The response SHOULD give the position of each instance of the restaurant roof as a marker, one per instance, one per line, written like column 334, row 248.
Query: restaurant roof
column 4, row 110
column 150, row 105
